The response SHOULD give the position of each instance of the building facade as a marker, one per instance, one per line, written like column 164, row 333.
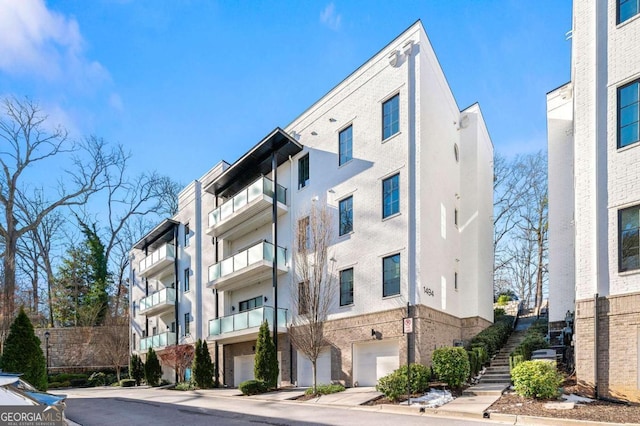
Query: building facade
column 602, row 204
column 407, row 178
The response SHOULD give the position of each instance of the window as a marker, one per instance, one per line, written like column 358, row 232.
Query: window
column 391, row 275
column 133, row 341
column 186, row 235
column 345, row 148
column 187, row 324
column 629, row 238
column 346, row 287
column 627, row 9
column 455, row 280
column 455, row 217
column 154, row 331
column 391, row 117
column 628, row 114
column 303, row 295
column 346, row 215
column 304, row 232
column 247, row 305
column 173, row 327
column 133, row 305
column 303, row 171
column 390, row 196
column 185, row 285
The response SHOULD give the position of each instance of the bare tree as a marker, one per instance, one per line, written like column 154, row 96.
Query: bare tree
column 315, row 287
column 179, row 357
column 26, row 140
column 112, row 341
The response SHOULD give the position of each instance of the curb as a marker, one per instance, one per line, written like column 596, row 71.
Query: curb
column 517, row 419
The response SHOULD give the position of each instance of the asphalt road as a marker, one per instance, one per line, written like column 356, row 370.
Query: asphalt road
column 117, row 406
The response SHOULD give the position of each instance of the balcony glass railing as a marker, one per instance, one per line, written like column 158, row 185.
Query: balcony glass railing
column 165, row 251
column 165, row 296
column 247, row 195
column 246, row 320
column 158, row 341
column 259, row 252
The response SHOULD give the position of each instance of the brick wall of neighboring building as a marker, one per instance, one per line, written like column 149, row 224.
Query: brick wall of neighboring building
column 618, row 331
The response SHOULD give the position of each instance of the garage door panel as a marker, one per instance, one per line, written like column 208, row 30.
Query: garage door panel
column 305, row 370
column 243, row 368
column 373, row 360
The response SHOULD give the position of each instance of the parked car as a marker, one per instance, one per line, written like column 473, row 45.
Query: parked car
column 16, row 391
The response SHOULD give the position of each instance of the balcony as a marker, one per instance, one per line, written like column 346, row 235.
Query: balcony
column 247, row 267
column 158, row 302
column 158, row 260
column 248, row 209
column 158, row 341
column 244, row 326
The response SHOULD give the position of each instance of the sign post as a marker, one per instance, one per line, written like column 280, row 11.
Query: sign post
column 407, row 328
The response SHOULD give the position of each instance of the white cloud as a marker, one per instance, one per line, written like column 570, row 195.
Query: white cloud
column 330, row 18
column 115, row 101
column 39, row 42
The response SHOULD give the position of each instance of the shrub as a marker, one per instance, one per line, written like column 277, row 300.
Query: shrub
column 394, row 385
column 127, row 383
column 97, row 379
column 266, row 360
column 136, row 369
column 515, row 359
column 253, row 387
column 63, row 377
column 22, row 353
column 451, row 365
column 495, row 336
column 498, row 313
column 77, row 383
column 152, row 369
column 536, row 379
column 533, row 340
column 55, row 385
column 203, row 368
column 185, row 386
column 474, row 365
column 503, row 299
column 481, row 353
column 325, row 389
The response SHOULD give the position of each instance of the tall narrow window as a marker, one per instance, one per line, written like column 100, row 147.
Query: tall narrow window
column 346, row 215
column 346, row 287
column 303, row 234
column 187, row 324
column 303, row 298
column 391, row 117
column 627, row 9
column 303, row 171
column 345, row 149
column 186, row 280
column 455, row 217
column 133, row 341
column 628, row 114
column 455, row 280
column 391, row 275
column 390, row 196
column 187, row 235
column 629, row 239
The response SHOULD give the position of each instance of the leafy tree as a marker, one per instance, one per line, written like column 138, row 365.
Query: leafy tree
column 152, row 368
column 203, row 368
column 179, row 357
column 451, row 365
column 266, row 361
column 22, row 353
column 136, row 369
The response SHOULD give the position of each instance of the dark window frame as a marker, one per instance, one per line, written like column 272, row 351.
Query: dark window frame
column 304, row 166
column 345, row 227
column 393, row 112
column 393, row 281
column 345, row 145
column 621, row 248
column 249, row 304
column 619, row 108
column 186, row 286
column 303, row 287
column 187, row 324
column 394, row 205
column 346, row 293
column 619, row 3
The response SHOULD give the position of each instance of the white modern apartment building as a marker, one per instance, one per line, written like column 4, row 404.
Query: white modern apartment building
column 594, row 196
column 408, row 178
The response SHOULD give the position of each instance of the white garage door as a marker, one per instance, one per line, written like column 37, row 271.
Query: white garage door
column 373, row 360
column 323, row 365
column 243, row 368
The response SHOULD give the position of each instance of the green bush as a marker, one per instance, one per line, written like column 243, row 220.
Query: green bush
column 515, row 359
column 534, row 339
column 394, row 385
column 136, row 369
column 78, row 383
column 503, row 300
column 185, row 386
column 481, row 353
column 451, row 365
column 63, row 377
column 127, row 383
column 536, row 379
column 203, row 369
column 474, row 364
column 97, row 379
column 495, row 336
column 325, row 389
column 253, row 387
column 498, row 313
column 55, row 385
column 152, row 369
column 266, row 360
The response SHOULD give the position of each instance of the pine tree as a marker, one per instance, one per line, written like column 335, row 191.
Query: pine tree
column 136, row 369
column 266, row 361
column 22, row 353
column 203, row 368
column 152, row 369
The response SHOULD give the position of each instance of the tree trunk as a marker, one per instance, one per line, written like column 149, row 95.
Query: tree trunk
column 314, row 370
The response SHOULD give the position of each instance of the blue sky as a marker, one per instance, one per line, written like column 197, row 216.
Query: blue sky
column 184, row 84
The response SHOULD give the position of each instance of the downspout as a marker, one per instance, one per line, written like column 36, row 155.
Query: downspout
column 216, row 355
column 274, row 231
column 595, row 344
column 175, row 273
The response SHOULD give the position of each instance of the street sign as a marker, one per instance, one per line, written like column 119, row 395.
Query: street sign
column 407, row 325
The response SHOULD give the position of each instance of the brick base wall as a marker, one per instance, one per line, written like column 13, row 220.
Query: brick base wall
column 229, row 351
column 618, row 330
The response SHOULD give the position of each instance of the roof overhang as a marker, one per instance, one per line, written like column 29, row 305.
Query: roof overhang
column 255, row 163
column 160, row 234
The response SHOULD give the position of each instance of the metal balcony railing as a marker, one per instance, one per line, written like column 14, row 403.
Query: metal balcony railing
column 166, row 296
column 165, row 251
column 158, row 341
column 246, row 320
column 262, row 251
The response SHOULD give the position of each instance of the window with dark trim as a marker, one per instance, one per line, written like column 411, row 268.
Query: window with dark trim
column 187, row 324
column 133, row 341
column 303, row 171
column 345, row 147
column 303, row 296
column 455, row 217
column 186, row 235
column 629, row 114
column 185, row 285
column 304, row 234
column 346, row 287
column 346, row 215
column 391, row 117
column 247, row 305
column 391, row 196
column 629, row 238
column 627, row 9
column 455, row 280
column 391, row 275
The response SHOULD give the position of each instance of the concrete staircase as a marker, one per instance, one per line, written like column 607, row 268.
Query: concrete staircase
column 497, row 377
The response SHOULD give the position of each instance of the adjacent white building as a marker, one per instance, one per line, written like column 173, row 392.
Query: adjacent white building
column 594, row 196
column 408, row 177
